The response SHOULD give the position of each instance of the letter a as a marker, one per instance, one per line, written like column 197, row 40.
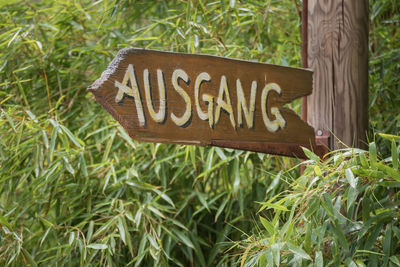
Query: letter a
column 132, row 91
column 227, row 106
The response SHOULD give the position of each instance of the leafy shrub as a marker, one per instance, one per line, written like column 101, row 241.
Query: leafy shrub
column 340, row 211
column 76, row 190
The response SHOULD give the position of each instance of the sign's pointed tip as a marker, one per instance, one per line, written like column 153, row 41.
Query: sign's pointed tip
column 111, row 69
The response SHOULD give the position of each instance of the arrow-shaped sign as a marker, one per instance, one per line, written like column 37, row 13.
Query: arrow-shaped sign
column 206, row 100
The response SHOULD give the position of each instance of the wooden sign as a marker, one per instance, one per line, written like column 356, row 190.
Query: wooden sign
column 206, row 100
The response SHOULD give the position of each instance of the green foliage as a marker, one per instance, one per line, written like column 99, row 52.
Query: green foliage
column 384, row 68
column 76, row 190
column 340, row 211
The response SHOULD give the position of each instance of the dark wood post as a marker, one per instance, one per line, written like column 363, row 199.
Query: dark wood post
column 338, row 55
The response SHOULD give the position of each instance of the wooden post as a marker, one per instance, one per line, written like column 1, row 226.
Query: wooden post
column 338, row 55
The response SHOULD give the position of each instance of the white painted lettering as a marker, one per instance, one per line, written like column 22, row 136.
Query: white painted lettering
column 158, row 117
column 202, row 77
column 221, row 104
column 132, row 91
column 246, row 107
column 184, row 120
column 279, row 122
column 210, row 102
column 242, row 105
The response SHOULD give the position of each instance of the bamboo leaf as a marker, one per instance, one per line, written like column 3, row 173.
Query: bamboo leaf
column 121, row 230
column 319, row 260
column 372, row 154
column 395, row 260
column 28, row 256
column 267, row 225
column 90, row 231
column 244, row 256
column 203, row 201
column 391, row 172
column 327, row 204
column 310, row 155
column 221, row 208
column 350, row 178
column 395, row 156
column 97, row 246
column 182, row 237
column 299, row 251
column 390, row 136
column 78, row 142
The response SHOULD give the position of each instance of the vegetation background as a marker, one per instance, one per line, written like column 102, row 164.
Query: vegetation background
column 76, row 190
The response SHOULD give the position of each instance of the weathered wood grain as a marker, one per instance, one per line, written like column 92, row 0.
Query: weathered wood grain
column 338, row 55
column 182, row 123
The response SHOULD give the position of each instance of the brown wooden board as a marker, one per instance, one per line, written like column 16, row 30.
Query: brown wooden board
column 206, row 100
